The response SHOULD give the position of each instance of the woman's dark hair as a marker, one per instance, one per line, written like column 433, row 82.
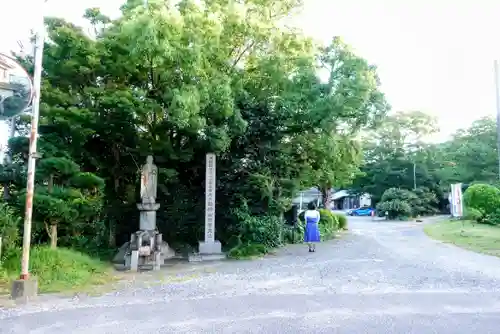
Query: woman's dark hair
column 311, row 206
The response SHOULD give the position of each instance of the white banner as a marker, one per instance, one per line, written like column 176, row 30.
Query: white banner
column 456, row 205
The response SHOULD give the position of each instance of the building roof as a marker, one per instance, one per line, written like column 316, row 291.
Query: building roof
column 5, row 65
column 6, row 86
column 340, row 194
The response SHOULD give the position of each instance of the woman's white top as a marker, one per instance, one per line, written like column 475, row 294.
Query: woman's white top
column 311, row 216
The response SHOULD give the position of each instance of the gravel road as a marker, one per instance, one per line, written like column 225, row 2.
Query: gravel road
column 380, row 278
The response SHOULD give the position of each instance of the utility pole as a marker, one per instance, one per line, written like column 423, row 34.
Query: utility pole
column 497, row 95
column 30, row 184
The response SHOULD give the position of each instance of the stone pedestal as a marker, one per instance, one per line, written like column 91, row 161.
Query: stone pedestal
column 212, row 247
column 134, row 261
column 24, row 290
column 208, row 251
column 147, row 218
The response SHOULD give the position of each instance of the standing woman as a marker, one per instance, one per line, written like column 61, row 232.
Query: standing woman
column 311, row 232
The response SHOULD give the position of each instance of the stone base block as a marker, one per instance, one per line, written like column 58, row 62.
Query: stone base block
column 210, row 247
column 24, row 290
column 206, row 257
column 208, row 251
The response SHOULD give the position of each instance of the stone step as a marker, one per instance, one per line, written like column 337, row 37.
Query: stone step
column 206, row 257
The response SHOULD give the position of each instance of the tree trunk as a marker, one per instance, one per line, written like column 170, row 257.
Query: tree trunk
column 325, row 197
column 52, row 232
column 50, row 186
column 112, row 222
column 53, row 236
column 112, row 234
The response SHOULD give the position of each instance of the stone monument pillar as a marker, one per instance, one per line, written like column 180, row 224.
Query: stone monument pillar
column 210, row 248
column 145, row 246
column 148, row 205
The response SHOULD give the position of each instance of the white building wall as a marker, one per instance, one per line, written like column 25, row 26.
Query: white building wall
column 365, row 200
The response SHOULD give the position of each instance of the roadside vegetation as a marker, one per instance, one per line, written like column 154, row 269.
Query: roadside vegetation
column 479, row 230
column 480, row 238
column 330, row 225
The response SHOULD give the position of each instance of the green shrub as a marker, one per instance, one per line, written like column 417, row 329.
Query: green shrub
column 492, row 218
column 483, row 200
column 264, row 230
column 58, row 269
column 301, row 216
column 328, row 224
column 424, row 203
column 396, row 209
column 342, row 220
column 246, row 251
column 293, row 235
column 9, row 229
column 399, row 194
column 403, row 203
column 327, row 218
column 472, row 214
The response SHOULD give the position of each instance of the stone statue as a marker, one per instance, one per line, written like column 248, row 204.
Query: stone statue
column 149, row 181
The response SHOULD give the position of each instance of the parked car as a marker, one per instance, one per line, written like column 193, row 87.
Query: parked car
column 363, row 211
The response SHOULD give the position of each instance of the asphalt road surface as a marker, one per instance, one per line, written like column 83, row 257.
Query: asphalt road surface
column 381, row 278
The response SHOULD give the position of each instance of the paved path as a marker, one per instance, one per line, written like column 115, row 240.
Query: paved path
column 382, row 278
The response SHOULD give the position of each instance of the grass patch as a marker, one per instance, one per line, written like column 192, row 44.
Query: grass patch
column 248, row 251
column 57, row 270
column 480, row 238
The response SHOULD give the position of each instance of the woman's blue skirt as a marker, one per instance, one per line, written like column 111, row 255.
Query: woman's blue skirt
column 311, row 233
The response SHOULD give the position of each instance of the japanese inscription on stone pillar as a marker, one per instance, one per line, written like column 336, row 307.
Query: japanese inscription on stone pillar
column 210, row 198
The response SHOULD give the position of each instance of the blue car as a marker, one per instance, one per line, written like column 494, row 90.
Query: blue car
column 364, row 211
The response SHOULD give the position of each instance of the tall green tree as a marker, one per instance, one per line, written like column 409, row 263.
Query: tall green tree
column 471, row 154
column 177, row 80
column 393, row 150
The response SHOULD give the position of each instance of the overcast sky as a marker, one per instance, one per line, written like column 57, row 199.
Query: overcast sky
column 434, row 56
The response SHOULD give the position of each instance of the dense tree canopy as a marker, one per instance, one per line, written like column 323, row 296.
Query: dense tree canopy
column 178, row 80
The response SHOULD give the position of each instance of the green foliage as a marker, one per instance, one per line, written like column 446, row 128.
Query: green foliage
column 9, row 227
column 263, row 230
column 328, row 224
column 57, row 269
column 342, row 220
column 247, row 251
column 483, row 200
column 471, row 155
column 396, row 203
column 473, row 215
column 57, row 167
column 398, row 194
column 402, row 204
column 424, row 203
column 492, row 218
column 327, row 218
column 294, row 235
column 395, row 209
column 391, row 152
